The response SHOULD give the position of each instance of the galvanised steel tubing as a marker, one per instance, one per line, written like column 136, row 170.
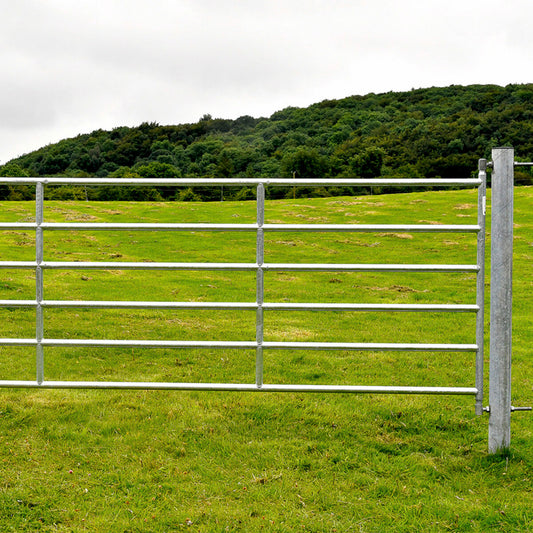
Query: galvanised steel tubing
column 426, row 308
column 111, row 304
column 330, row 267
column 501, row 296
column 39, row 283
column 480, row 284
column 353, row 228
column 467, row 182
column 260, row 285
column 275, row 267
column 118, row 226
column 18, row 342
column 63, row 304
column 18, row 225
column 150, row 266
column 243, row 387
column 18, row 265
column 246, row 345
column 371, row 346
column 132, row 343
column 18, row 303
column 363, row 228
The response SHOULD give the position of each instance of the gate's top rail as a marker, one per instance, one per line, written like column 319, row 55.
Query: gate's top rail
column 378, row 182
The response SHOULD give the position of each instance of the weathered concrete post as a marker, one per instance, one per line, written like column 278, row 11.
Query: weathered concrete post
column 501, row 278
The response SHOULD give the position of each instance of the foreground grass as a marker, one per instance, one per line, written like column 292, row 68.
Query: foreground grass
column 172, row 461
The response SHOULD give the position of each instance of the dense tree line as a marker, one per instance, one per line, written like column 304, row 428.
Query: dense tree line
column 436, row 132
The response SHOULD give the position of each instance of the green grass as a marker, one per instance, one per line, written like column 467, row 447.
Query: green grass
column 211, row 461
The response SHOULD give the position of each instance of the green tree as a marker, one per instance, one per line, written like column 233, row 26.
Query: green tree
column 368, row 163
column 128, row 192
column 188, row 195
column 15, row 192
column 224, row 167
column 304, row 164
column 157, row 170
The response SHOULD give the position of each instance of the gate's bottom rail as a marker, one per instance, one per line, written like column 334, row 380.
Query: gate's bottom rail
column 243, row 387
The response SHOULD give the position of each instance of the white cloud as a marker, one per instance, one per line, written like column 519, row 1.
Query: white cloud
column 71, row 67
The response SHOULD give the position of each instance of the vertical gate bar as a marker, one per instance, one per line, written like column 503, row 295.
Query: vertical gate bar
column 480, row 283
column 501, row 300
column 39, row 284
column 260, row 287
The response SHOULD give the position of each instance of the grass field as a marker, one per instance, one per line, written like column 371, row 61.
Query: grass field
column 141, row 461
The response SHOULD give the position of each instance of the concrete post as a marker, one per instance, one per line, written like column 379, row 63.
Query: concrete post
column 501, row 300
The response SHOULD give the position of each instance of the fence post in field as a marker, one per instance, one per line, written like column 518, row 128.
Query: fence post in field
column 501, row 300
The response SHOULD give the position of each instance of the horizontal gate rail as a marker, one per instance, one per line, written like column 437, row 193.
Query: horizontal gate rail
column 248, row 345
column 237, row 267
column 102, row 304
column 237, row 182
column 351, row 228
column 245, row 387
column 260, row 267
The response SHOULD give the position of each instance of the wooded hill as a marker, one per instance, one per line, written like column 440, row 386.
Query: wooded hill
column 435, row 132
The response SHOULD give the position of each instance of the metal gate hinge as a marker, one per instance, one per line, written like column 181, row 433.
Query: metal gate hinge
column 513, row 409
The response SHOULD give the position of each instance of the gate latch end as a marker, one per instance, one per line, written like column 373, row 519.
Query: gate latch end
column 513, row 408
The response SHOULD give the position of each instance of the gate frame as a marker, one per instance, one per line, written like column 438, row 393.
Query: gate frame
column 39, row 265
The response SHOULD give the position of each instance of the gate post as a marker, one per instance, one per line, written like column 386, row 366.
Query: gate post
column 501, row 300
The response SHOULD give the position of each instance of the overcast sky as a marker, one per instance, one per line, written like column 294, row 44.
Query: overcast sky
column 73, row 66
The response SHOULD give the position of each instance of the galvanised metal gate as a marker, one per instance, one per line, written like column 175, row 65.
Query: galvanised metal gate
column 40, row 226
